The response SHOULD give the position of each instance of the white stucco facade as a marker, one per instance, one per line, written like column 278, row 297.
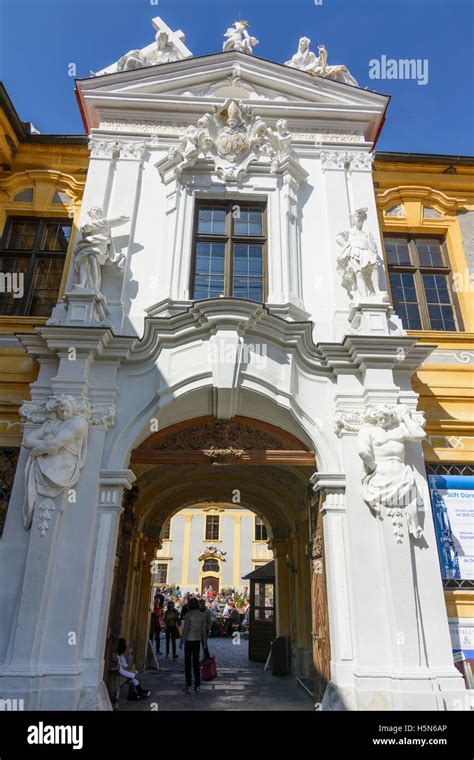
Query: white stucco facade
column 144, row 353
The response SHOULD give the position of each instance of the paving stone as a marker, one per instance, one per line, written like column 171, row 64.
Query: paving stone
column 240, row 685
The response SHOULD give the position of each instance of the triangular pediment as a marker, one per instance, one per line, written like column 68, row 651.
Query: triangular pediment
column 191, row 86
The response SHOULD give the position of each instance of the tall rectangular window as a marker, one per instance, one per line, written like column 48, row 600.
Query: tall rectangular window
column 160, row 573
column 419, row 277
column 32, row 255
column 229, row 251
column 260, row 530
column 165, row 533
column 212, row 527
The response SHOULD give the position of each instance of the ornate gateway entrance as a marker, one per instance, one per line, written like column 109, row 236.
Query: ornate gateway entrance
column 239, row 462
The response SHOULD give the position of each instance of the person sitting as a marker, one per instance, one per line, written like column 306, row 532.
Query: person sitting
column 135, row 691
column 233, row 619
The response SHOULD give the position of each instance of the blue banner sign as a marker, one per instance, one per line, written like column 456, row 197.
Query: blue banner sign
column 452, row 499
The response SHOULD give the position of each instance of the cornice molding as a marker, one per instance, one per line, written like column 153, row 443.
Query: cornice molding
column 421, row 193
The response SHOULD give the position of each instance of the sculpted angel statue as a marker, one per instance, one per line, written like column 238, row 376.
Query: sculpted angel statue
column 239, row 39
column 94, row 250
column 387, row 480
column 57, row 453
column 358, row 262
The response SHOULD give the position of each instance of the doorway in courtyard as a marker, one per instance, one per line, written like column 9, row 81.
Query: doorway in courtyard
column 215, row 501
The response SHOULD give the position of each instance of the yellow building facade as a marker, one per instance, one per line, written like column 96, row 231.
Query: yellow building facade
column 419, row 197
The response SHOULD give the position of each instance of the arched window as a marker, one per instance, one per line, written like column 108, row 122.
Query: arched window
column 210, row 565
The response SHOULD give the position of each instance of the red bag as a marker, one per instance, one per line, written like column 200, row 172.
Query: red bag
column 208, row 669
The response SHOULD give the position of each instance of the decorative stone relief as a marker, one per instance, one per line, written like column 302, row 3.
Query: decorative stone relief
column 237, row 38
column 305, row 60
column 232, row 137
column 358, row 262
column 390, row 487
column 57, row 453
column 355, row 160
column 95, row 250
column 103, row 148
column 212, row 552
column 134, row 59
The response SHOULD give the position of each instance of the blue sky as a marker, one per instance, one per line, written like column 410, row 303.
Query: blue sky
column 39, row 39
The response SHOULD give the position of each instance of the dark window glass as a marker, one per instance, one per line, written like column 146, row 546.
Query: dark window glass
column 260, row 530
column 419, row 283
column 211, row 221
column 397, row 251
column 160, row 573
column 212, row 527
column 22, row 234
column 210, row 565
column 32, row 259
column 165, row 533
column 429, row 252
column 248, row 222
column 229, row 251
column 56, row 237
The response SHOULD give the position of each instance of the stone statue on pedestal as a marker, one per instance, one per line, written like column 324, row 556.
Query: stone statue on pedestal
column 94, row 250
column 358, row 262
column 57, row 453
column 387, row 480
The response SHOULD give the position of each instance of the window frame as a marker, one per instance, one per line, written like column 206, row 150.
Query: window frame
column 260, row 524
column 34, row 254
column 212, row 517
column 418, row 270
column 229, row 239
column 159, row 567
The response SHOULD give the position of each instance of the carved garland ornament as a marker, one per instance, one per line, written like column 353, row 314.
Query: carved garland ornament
column 221, row 436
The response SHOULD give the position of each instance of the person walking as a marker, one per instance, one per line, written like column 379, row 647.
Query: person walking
column 207, row 614
column 184, row 608
column 171, row 622
column 157, row 621
column 194, row 633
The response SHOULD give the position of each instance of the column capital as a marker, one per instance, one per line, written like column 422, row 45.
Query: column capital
column 279, row 546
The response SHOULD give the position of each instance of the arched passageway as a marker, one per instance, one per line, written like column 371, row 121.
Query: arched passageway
column 238, row 463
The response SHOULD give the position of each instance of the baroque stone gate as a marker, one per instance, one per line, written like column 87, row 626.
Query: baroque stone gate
column 227, row 265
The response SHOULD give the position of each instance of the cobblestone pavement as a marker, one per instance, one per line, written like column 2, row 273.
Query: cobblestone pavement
column 240, row 685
